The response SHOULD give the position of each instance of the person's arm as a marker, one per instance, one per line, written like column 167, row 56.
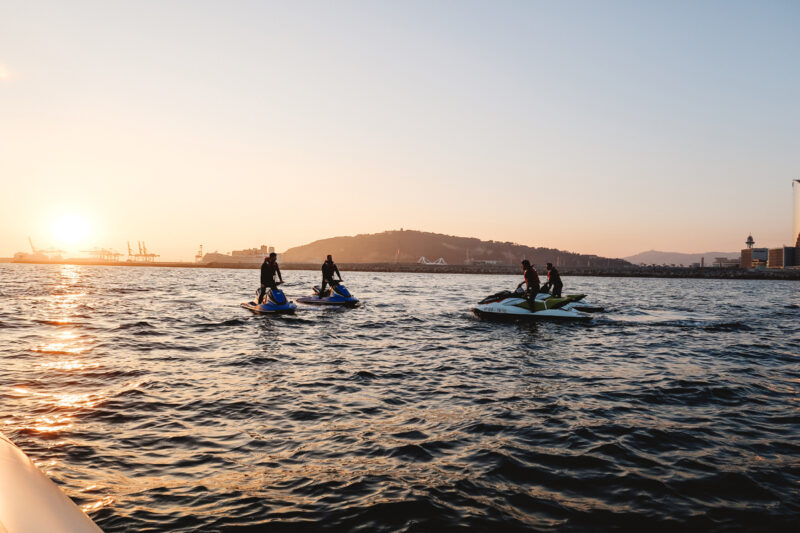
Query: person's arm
column 278, row 270
column 336, row 268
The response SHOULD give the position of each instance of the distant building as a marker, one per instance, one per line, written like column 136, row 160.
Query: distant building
column 725, row 262
column 251, row 256
column 251, row 253
column 783, row 257
column 36, row 257
column 216, row 257
column 753, row 257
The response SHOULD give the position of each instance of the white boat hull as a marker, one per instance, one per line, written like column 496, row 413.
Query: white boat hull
column 30, row 502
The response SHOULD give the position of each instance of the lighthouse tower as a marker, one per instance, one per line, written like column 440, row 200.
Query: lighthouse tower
column 753, row 257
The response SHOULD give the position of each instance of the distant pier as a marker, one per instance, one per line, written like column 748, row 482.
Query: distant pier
column 632, row 272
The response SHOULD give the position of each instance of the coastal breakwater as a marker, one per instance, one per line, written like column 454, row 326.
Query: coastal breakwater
column 635, row 272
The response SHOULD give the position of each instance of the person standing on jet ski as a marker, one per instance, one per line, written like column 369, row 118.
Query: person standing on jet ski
column 531, row 281
column 268, row 270
column 554, row 280
column 329, row 268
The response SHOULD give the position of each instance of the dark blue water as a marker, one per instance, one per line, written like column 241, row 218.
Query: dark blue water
column 159, row 405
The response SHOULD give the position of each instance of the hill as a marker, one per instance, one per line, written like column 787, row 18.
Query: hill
column 407, row 246
column 654, row 257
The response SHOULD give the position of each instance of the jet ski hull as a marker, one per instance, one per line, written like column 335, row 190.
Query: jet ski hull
column 270, row 308
column 336, row 295
column 489, row 312
column 330, row 300
column 274, row 303
column 510, row 306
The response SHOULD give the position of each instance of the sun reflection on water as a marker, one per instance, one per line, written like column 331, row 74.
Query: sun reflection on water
column 99, row 504
column 51, row 424
column 68, row 365
column 78, row 401
column 62, row 407
column 66, row 342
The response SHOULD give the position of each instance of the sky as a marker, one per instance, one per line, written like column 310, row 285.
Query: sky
column 595, row 127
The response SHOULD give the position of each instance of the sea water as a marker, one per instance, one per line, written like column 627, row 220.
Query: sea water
column 158, row 404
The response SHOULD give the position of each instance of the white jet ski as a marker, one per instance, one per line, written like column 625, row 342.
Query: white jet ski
column 507, row 305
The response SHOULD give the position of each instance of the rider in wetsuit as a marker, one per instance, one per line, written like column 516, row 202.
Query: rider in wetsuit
column 531, row 281
column 268, row 270
column 329, row 268
column 554, row 280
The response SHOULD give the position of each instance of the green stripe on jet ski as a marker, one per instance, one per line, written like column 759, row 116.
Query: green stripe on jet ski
column 551, row 303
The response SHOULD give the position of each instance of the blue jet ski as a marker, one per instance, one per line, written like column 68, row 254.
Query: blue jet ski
column 336, row 295
column 275, row 304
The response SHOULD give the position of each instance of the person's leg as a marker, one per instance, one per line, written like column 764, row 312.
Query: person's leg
column 531, row 293
column 272, row 286
column 557, row 289
column 322, row 287
column 261, row 291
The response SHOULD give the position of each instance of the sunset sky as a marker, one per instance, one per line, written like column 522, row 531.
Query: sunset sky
column 596, row 127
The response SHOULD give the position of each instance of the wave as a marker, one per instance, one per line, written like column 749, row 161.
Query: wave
column 675, row 411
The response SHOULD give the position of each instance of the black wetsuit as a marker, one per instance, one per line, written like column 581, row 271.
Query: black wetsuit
column 554, row 280
column 532, row 279
column 328, row 270
column 268, row 271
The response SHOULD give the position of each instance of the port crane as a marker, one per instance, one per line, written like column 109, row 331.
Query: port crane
column 102, row 254
column 49, row 252
column 143, row 255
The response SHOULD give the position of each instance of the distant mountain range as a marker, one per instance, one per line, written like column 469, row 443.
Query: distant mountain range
column 654, row 257
column 408, row 246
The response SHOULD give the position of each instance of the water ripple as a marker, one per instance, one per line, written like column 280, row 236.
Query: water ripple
column 160, row 405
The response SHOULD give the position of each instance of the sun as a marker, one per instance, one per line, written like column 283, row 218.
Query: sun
column 70, row 230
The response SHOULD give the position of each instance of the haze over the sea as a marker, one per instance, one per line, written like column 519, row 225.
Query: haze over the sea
column 606, row 128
